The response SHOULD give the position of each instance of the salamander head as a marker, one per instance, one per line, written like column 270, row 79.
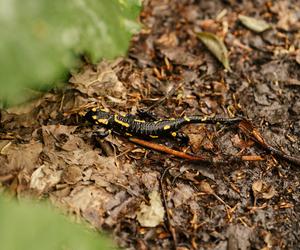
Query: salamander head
column 97, row 116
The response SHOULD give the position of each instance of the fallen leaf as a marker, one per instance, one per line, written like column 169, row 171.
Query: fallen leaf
column 21, row 156
column 206, row 188
column 153, row 215
column 44, row 178
column 256, row 25
column 269, row 193
column 71, row 175
column 182, row 194
column 297, row 58
column 101, row 81
column 239, row 237
column 216, row 47
column 257, row 186
column 240, row 143
column 263, row 190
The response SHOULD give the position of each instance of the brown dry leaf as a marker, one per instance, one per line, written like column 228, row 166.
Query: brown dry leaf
column 44, row 177
column 108, row 172
column 269, row 193
column 150, row 180
column 257, row 186
column 216, row 47
column 288, row 15
column 209, row 25
column 181, row 56
column 263, row 190
column 240, row 143
column 3, row 145
column 100, row 181
column 239, row 237
column 254, row 24
column 72, row 175
column 182, row 194
column 21, row 156
column 168, row 40
column 153, row 215
column 102, row 82
column 73, row 143
column 196, row 140
column 118, row 207
column 206, row 188
column 53, row 133
column 267, row 239
column 297, row 58
column 26, row 108
column 83, row 157
column 90, row 202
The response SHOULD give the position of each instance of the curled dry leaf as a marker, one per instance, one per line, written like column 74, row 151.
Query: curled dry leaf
column 206, row 188
column 216, row 46
column 44, row 178
column 269, row 193
column 257, row 186
column 263, row 190
column 153, row 215
column 256, row 25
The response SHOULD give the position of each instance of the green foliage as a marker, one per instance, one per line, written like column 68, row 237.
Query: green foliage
column 31, row 226
column 41, row 39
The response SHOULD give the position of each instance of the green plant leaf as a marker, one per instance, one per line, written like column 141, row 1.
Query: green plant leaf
column 40, row 40
column 29, row 226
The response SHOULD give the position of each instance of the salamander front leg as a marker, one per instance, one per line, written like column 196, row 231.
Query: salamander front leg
column 146, row 114
column 140, row 116
column 182, row 138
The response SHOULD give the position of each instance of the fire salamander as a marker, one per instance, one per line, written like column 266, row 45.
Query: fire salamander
column 129, row 126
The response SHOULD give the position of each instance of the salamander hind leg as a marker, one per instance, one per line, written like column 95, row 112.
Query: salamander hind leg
column 101, row 134
column 182, row 138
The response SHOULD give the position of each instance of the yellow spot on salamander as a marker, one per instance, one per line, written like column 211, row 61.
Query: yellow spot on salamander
column 172, row 119
column 103, row 121
column 204, row 118
column 174, row 134
column 125, row 124
column 153, row 136
column 94, row 117
column 186, row 118
column 167, row 127
column 94, row 109
column 128, row 134
column 139, row 120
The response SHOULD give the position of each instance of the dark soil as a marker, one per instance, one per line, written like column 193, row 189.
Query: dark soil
column 48, row 152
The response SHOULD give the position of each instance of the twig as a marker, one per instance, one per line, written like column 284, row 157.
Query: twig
column 194, row 158
column 161, row 148
column 249, row 130
column 170, row 228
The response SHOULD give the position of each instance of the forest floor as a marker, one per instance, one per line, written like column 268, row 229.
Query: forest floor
column 151, row 200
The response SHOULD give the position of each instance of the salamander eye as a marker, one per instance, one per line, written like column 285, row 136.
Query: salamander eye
column 90, row 116
column 102, row 114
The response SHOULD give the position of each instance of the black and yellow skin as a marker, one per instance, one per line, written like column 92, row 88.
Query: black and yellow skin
column 129, row 126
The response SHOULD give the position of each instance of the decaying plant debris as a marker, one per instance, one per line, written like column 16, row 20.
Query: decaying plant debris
column 47, row 151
